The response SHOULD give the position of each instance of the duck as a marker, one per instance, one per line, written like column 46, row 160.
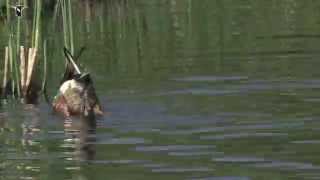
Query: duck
column 76, row 95
column 18, row 9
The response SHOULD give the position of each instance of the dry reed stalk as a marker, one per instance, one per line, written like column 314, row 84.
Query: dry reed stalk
column 32, row 56
column 23, row 69
column 5, row 74
column 11, row 67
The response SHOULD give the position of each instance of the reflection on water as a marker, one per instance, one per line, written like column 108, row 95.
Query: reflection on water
column 80, row 136
column 204, row 90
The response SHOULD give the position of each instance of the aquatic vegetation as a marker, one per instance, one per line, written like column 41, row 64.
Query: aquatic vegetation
column 22, row 66
column 19, row 68
column 67, row 24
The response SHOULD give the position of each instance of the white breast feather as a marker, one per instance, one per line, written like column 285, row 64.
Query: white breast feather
column 70, row 84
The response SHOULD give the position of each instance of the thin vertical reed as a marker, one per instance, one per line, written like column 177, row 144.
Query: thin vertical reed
column 18, row 30
column 87, row 15
column 8, row 10
column 31, row 65
column 34, row 23
column 101, row 21
column 37, row 30
column 44, row 81
column 16, row 73
column 11, row 65
column 65, row 26
column 16, row 54
column 23, row 69
column 70, row 27
column 5, row 74
column 55, row 13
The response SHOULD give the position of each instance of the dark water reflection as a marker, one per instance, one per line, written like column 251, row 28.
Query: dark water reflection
column 205, row 90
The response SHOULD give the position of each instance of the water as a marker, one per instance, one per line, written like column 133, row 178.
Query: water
column 201, row 90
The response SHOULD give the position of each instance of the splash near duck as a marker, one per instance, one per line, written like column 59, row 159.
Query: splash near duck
column 76, row 95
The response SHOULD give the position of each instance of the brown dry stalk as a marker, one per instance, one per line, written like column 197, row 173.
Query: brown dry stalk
column 23, row 69
column 32, row 56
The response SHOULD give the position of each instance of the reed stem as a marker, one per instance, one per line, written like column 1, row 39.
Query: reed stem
column 44, row 81
column 8, row 10
column 11, row 65
column 23, row 70
column 70, row 27
column 18, row 31
column 5, row 74
column 65, row 26
column 34, row 23
column 16, row 73
column 37, row 30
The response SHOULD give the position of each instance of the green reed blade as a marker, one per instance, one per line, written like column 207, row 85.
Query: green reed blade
column 37, row 29
column 70, row 27
column 8, row 10
column 34, row 26
column 18, row 31
column 44, row 81
column 65, row 26
column 11, row 64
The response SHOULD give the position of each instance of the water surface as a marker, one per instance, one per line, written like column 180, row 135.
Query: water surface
column 203, row 90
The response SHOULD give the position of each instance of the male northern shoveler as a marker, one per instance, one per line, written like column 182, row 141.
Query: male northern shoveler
column 18, row 9
column 76, row 95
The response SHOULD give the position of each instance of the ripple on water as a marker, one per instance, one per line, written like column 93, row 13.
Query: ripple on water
column 194, row 154
column 311, row 99
column 29, row 157
column 287, row 165
column 223, row 178
column 231, row 159
column 52, row 135
column 173, row 148
column 33, row 168
column 309, row 175
column 266, row 126
column 25, row 177
column 194, row 91
column 55, row 132
column 123, row 141
column 242, row 135
column 210, row 78
column 120, row 162
column 306, row 142
column 250, row 87
column 181, row 170
column 154, row 165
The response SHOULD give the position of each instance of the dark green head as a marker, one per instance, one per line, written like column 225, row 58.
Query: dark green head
column 83, row 78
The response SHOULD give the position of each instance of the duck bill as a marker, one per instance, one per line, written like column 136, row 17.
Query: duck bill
column 71, row 61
